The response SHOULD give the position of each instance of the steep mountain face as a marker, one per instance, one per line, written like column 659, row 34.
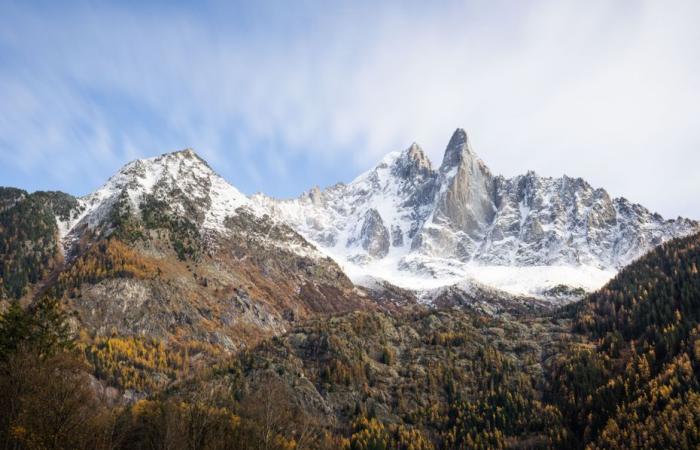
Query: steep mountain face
column 464, row 206
column 383, row 206
column 419, row 227
column 168, row 249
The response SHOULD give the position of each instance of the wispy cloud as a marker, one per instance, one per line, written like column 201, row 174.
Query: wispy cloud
column 280, row 98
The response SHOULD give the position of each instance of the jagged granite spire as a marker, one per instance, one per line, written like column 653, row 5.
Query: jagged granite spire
column 458, row 149
column 466, row 189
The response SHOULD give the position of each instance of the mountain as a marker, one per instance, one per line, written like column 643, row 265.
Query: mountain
column 168, row 249
column 417, row 226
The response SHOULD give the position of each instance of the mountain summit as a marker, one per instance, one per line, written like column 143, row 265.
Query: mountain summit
column 466, row 195
column 182, row 180
column 458, row 150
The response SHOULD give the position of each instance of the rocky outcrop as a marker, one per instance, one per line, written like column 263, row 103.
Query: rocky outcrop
column 374, row 235
column 466, row 195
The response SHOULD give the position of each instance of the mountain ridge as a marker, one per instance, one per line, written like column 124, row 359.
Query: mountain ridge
column 405, row 221
column 447, row 223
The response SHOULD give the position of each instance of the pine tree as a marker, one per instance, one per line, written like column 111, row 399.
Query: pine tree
column 42, row 329
column 15, row 329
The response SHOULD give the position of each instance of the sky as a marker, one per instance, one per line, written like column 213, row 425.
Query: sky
column 281, row 96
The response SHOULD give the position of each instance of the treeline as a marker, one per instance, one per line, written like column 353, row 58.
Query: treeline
column 155, row 215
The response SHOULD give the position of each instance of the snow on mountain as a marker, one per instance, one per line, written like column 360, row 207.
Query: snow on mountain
column 419, row 228
column 181, row 178
column 181, row 181
column 408, row 223
column 372, row 220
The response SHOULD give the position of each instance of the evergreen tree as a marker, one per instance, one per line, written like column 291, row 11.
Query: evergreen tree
column 42, row 329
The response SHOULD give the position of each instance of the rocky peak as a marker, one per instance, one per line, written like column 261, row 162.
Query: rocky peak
column 181, row 182
column 189, row 154
column 458, row 151
column 182, row 169
column 527, row 186
column 413, row 163
column 466, row 200
column 404, row 216
column 416, row 155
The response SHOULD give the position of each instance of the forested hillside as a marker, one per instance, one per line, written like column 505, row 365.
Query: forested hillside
column 29, row 237
column 618, row 369
column 637, row 385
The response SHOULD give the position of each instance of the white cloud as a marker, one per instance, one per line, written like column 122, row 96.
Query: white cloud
column 603, row 90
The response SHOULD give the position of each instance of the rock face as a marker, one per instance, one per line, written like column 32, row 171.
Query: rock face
column 464, row 204
column 467, row 190
column 374, row 235
column 441, row 221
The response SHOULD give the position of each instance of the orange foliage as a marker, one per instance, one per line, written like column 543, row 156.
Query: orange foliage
column 108, row 259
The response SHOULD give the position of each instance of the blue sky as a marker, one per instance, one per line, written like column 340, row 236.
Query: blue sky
column 281, row 96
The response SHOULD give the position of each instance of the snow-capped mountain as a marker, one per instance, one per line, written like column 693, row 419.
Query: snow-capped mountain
column 182, row 179
column 166, row 247
column 194, row 256
column 180, row 182
column 420, row 227
column 405, row 221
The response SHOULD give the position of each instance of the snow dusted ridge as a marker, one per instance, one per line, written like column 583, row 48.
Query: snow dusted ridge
column 421, row 228
column 413, row 225
column 183, row 181
column 181, row 178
